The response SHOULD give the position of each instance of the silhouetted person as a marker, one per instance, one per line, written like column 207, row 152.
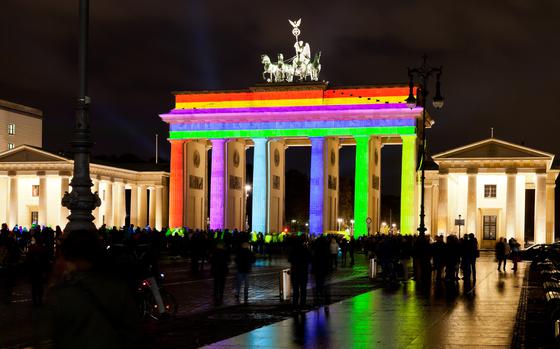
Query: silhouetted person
column 320, row 269
column 333, row 247
column 244, row 262
column 351, row 248
column 515, row 252
column 500, row 250
column 88, row 308
column 37, row 261
column 438, row 256
column 219, row 267
column 299, row 259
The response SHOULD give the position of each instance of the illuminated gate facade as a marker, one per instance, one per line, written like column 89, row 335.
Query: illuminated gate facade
column 270, row 118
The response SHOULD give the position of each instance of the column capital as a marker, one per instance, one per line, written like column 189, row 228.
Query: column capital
column 259, row 140
column 41, row 174
column 218, row 141
column 12, row 173
column 472, row 171
column 511, row 171
column 443, row 171
column 540, row 172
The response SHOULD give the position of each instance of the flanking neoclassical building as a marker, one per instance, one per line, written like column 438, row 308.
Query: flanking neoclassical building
column 33, row 181
column 500, row 189
column 270, row 118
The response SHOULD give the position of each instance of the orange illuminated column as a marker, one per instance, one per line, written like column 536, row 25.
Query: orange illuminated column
column 176, row 184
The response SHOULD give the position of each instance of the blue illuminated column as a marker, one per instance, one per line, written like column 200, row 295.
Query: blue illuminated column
column 259, row 185
column 317, row 185
column 217, row 184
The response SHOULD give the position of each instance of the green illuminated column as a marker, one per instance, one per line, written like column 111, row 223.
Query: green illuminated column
column 408, row 185
column 361, row 186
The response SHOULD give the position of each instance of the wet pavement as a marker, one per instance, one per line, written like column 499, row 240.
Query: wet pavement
column 197, row 315
column 407, row 316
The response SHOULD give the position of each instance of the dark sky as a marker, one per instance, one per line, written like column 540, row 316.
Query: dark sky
column 500, row 60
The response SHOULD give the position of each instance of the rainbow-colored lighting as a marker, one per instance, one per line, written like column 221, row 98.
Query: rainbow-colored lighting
column 313, row 110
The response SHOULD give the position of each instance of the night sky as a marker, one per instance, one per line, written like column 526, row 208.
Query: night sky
column 500, row 61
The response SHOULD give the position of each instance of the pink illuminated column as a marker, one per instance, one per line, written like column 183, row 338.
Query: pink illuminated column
column 175, row 186
column 217, row 184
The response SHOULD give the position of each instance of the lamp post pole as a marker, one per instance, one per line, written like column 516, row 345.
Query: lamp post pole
column 423, row 73
column 81, row 201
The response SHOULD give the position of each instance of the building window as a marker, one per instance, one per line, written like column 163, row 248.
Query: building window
column 489, row 227
column 34, row 190
column 34, row 217
column 11, row 129
column 10, row 146
column 490, row 190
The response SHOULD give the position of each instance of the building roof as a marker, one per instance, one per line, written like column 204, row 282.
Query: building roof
column 30, row 154
column 20, row 109
column 492, row 148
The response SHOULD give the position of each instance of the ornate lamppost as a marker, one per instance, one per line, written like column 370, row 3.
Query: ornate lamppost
column 81, row 201
column 423, row 73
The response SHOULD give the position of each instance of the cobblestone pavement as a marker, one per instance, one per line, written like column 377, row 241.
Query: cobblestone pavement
column 407, row 316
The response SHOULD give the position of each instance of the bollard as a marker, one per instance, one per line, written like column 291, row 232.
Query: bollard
column 285, row 285
column 372, row 268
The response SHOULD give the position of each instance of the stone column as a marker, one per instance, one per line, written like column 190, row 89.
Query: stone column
column 134, row 204
column 122, row 204
column 471, row 202
column 42, row 200
column 117, row 204
column 108, row 204
column 159, row 207
column 64, row 212
column 408, row 185
column 550, row 209
column 511, row 208
column 442, row 228
column 152, row 208
column 317, row 186
column 142, row 208
column 361, row 188
column 428, row 188
column 217, row 185
column 13, row 205
column 95, row 213
column 260, row 199
column 540, row 208
column 176, row 184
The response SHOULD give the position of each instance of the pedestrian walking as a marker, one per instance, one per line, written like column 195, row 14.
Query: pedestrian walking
column 37, row 262
column 299, row 259
column 515, row 252
column 500, row 250
column 244, row 261
column 333, row 247
column 219, row 268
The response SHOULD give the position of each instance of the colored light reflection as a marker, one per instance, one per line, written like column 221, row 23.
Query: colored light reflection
column 361, row 183
column 259, row 185
column 317, row 186
column 408, row 179
column 318, row 132
column 217, row 185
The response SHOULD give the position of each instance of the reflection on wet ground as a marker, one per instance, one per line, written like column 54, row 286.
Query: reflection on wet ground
column 405, row 316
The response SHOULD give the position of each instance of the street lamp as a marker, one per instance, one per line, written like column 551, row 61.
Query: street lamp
column 423, row 73
column 81, row 201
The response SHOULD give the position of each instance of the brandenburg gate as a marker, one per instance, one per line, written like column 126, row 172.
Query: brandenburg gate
column 273, row 116
column 270, row 118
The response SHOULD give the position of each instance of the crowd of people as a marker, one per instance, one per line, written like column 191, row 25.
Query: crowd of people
column 132, row 254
